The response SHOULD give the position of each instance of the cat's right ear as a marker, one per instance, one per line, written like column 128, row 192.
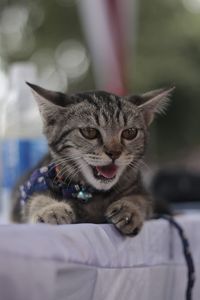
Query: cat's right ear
column 49, row 102
column 154, row 102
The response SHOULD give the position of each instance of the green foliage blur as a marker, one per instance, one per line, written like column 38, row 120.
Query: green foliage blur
column 168, row 53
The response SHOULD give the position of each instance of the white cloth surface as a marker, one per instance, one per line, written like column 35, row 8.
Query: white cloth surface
column 89, row 261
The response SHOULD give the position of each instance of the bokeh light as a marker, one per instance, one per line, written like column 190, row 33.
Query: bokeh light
column 14, row 19
column 53, row 78
column 50, row 75
column 192, row 5
column 71, row 56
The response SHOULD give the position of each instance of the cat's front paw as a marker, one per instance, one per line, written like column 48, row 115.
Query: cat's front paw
column 126, row 216
column 56, row 213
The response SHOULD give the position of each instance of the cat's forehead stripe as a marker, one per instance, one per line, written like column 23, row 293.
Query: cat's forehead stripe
column 108, row 109
column 96, row 118
column 102, row 109
column 102, row 119
column 92, row 101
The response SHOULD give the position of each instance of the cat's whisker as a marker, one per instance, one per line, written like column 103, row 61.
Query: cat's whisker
column 59, row 162
column 65, row 169
column 58, row 174
column 134, row 165
column 144, row 164
column 71, row 174
column 65, row 160
column 124, row 163
column 69, row 166
column 74, row 174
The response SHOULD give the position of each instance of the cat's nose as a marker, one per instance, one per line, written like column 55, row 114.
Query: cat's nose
column 113, row 154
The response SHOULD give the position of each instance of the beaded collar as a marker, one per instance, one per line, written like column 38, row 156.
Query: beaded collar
column 47, row 179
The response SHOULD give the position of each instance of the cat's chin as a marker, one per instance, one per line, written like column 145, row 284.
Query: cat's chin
column 96, row 178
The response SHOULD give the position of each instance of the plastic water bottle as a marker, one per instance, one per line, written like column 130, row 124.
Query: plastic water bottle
column 22, row 142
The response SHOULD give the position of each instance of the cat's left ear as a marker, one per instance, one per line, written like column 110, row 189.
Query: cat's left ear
column 154, row 102
column 50, row 103
column 44, row 96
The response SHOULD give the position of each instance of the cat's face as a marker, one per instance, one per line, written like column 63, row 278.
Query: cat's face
column 96, row 135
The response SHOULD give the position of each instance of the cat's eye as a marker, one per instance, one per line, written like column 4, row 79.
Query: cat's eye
column 89, row 133
column 129, row 134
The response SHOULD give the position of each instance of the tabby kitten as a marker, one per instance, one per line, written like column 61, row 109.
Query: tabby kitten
column 92, row 174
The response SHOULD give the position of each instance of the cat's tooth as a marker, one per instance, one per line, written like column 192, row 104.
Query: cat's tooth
column 98, row 173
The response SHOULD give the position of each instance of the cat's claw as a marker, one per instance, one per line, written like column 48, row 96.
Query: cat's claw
column 126, row 217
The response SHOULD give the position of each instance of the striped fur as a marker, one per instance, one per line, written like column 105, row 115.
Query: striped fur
column 121, row 200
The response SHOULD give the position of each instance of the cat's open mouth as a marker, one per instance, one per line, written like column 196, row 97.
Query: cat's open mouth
column 105, row 172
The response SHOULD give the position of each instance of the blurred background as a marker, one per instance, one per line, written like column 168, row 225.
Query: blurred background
column 125, row 47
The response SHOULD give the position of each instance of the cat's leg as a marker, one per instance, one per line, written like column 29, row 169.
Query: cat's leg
column 43, row 209
column 128, row 214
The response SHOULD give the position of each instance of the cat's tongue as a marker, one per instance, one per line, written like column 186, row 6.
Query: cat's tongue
column 107, row 171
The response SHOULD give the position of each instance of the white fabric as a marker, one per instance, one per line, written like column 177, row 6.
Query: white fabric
column 88, row 261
